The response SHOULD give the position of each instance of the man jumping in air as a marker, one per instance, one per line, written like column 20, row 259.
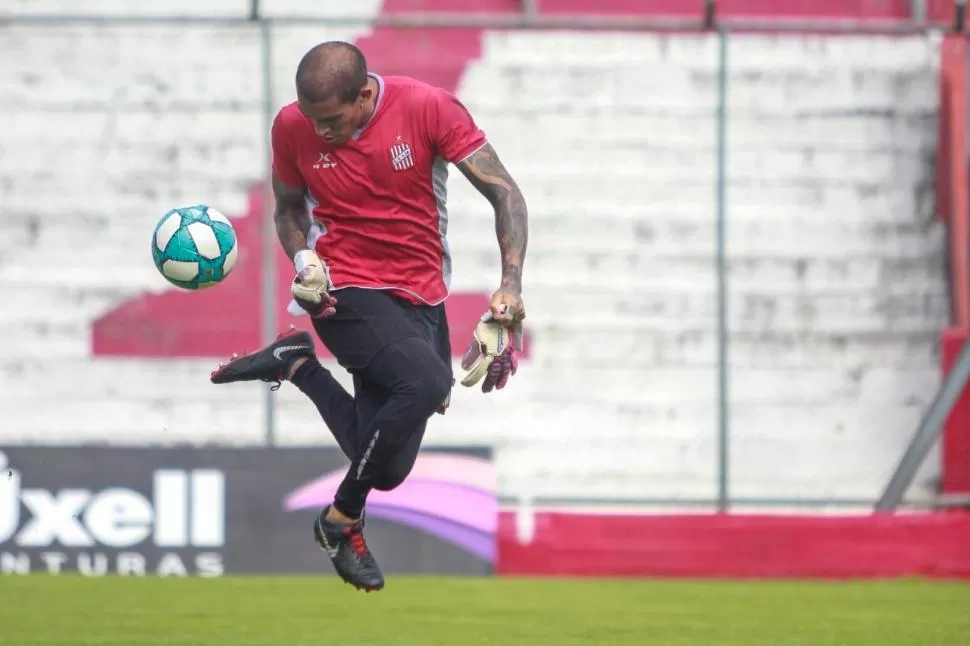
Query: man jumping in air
column 370, row 155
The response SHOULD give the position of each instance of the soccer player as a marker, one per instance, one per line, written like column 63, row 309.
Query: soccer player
column 370, row 156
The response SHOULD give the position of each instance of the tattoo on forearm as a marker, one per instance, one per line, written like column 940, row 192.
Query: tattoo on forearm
column 487, row 174
column 291, row 217
column 291, row 229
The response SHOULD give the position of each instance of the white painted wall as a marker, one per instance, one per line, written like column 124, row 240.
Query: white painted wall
column 835, row 263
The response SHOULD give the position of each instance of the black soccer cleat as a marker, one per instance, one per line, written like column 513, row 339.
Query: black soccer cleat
column 348, row 552
column 268, row 364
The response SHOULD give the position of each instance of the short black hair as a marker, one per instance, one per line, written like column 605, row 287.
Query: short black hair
column 333, row 68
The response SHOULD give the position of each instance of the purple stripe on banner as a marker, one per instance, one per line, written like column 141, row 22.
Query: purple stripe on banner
column 466, row 470
column 462, row 505
column 479, row 543
column 452, row 497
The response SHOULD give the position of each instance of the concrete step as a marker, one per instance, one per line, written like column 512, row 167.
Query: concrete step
column 128, row 8
column 744, row 237
column 554, row 86
column 639, row 389
column 612, row 128
column 624, row 268
column 72, row 58
column 654, row 166
column 746, row 51
column 612, row 191
column 637, row 345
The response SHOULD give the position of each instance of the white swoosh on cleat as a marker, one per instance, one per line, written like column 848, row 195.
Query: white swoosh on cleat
column 278, row 352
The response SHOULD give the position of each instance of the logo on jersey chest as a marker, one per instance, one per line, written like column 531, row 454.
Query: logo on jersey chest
column 325, row 161
column 401, row 156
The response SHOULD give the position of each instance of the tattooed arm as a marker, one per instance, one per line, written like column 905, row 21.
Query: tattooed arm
column 487, row 174
column 491, row 355
column 291, row 217
column 309, row 287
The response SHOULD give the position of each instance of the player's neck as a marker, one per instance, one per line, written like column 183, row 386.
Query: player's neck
column 371, row 106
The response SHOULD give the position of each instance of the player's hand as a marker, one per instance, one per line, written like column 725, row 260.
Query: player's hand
column 492, row 352
column 309, row 287
column 506, row 306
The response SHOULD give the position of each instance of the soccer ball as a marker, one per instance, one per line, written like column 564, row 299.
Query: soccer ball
column 194, row 247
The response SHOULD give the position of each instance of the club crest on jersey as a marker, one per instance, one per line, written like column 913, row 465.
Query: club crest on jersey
column 401, row 156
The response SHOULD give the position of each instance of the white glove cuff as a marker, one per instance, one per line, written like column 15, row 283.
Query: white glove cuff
column 305, row 258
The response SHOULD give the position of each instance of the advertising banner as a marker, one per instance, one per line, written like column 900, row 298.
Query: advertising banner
column 214, row 511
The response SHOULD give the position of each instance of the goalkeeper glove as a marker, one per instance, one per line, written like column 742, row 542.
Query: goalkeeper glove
column 309, row 287
column 492, row 353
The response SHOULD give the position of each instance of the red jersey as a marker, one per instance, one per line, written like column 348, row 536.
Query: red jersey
column 380, row 197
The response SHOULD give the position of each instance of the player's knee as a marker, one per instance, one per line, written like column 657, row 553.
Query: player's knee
column 428, row 388
column 420, row 376
column 393, row 477
column 434, row 390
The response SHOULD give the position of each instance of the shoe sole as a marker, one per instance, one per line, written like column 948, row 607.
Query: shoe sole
column 359, row 587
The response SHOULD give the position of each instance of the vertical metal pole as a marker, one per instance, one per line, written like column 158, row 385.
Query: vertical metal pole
column 721, row 271
column 254, row 10
column 917, row 12
column 530, row 9
column 710, row 13
column 269, row 228
column 927, row 433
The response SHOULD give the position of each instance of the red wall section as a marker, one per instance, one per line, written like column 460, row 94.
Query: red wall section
column 438, row 56
column 392, row 7
column 956, row 433
column 954, row 208
column 952, row 169
column 738, row 546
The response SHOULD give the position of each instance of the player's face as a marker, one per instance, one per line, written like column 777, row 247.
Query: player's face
column 334, row 121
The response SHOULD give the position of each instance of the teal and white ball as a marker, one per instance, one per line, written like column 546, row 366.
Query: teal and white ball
column 194, row 247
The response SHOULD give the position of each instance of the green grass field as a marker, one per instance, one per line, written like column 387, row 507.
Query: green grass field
column 304, row 611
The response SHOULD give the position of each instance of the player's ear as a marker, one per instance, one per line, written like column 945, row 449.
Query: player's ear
column 365, row 94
